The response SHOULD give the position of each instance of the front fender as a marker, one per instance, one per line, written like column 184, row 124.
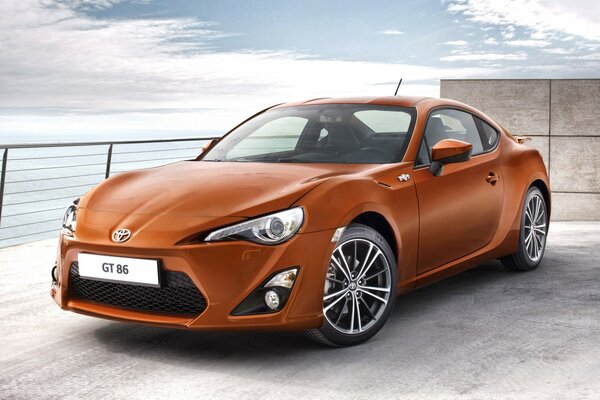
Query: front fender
column 341, row 200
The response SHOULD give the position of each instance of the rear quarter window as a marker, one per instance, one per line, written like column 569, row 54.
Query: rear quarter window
column 489, row 135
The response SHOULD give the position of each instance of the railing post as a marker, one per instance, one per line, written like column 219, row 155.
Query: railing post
column 108, row 161
column 3, row 181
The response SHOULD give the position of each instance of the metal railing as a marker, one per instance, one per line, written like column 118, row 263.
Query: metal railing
column 38, row 181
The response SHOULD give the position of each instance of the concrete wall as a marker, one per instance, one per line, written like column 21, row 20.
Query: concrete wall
column 562, row 116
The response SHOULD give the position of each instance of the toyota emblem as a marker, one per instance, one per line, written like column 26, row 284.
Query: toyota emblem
column 121, row 235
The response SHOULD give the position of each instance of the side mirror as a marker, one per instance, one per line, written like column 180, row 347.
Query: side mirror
column 448, row 151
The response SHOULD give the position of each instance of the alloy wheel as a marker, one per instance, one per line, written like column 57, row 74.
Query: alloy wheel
column 357, row 286
column 535, row 227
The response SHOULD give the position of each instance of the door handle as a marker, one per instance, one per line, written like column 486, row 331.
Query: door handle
column 492, row 178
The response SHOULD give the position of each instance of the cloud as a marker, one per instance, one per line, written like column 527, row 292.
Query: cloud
column 558, row 50
column 86, row 5
column 71, row 72
column 490, row 41
column 457, row 43
column 575, row 17
column 391, row 32
column 528, row 43
column 591, row 56
column 485, row 57
column 539, row 35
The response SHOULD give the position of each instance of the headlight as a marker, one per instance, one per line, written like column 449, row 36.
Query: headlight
column 270, row 229
column 69, row 222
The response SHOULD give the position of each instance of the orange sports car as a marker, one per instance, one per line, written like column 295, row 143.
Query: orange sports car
column 309, row 216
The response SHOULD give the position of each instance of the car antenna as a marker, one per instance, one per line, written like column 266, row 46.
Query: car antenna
column 398, row 87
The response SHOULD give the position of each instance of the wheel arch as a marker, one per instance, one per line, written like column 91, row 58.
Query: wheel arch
column 378, row 222
column 541, row 185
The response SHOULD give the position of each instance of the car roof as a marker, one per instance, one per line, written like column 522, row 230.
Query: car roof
column 402, row 101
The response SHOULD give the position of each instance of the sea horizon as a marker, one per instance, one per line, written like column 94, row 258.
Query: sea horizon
column 42, row 138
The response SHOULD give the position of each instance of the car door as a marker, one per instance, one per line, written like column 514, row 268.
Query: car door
column 460, row 209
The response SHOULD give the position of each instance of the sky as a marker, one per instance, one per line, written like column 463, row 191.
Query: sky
column 110, row 69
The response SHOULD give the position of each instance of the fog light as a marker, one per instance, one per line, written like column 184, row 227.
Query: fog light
column 272, row 299
column 271, row 295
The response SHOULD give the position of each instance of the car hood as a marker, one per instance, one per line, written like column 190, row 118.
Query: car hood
column 211, row 189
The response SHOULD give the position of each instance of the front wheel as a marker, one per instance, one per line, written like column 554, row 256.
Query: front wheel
column 533, row 232
column 360, row 288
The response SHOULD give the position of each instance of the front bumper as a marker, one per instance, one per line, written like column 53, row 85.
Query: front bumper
column 224, row 272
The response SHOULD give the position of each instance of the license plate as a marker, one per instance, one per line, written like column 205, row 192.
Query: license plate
column 136, row 271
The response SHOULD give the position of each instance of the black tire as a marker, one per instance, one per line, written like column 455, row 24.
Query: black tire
column 522, row 260
column 361, row 235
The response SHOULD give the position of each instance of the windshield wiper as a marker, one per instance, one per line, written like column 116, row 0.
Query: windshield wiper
column 289, row 160
column 237, row 159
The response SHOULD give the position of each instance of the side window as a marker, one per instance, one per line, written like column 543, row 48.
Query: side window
column 453, row 124
column 489, row 135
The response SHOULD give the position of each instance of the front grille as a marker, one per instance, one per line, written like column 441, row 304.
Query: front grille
column 177, row 294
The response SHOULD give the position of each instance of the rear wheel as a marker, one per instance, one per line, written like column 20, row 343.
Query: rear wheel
column 532, row 237
column 360, row 288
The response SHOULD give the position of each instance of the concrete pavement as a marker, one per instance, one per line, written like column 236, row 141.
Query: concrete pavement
column 485, row 334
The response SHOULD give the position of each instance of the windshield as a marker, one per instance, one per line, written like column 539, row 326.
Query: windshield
column 329, row 133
